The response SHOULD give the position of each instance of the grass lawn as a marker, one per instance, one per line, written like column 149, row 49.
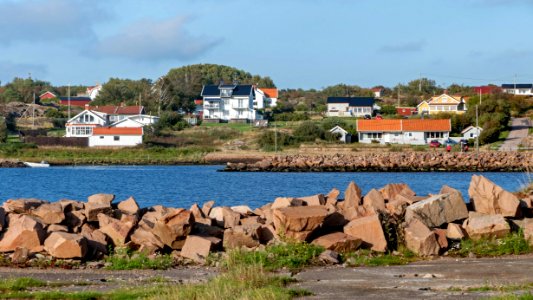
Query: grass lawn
column 238, row 126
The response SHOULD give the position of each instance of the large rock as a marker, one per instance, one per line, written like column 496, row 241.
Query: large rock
column 299, row 222
column 313, row 200
column 129, row 206
column 174, row 225
column 332, row 196
column 391, row 190
column 282, row 202
column 23, row 231
column 118, row 231
column 437, row 210
column 49, row 213
column 420, row 239
column 489, row 198
column 241, row 236
column 206, row 208
column 374, row 200
column 196, row 248
column 244, row 210
column 338, row 242
column 225, row 217
column 455, row 232
column 352, row 196
column 369, row 230
column 96, row 240
column 146, row 240
column 23, row 205
column 75, row 219
column 66, row 245
column 479, row 225
column 101, row 198
column 92, row 210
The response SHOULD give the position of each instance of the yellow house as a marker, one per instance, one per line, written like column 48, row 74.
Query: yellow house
column 443, row 103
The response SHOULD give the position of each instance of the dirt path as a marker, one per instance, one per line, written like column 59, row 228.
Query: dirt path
column 438, row 279
column 105, row 280
column 519, row 131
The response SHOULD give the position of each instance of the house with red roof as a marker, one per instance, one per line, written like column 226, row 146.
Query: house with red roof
column 116, row 137
column 265, row 97
column 93, row 91
column 79, row 101
column 47, row 95
column 404, row 131
column 406, row 111
column 487, row 89
column 377, row 92
column 90, row 121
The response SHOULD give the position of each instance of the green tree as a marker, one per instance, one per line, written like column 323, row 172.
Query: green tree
column 388, row 110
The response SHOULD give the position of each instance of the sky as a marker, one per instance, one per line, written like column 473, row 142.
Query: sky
column 298, row 43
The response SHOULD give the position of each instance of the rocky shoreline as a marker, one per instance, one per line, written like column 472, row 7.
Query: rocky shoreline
column 398, row 161
column 381, row 220
column 11, row 163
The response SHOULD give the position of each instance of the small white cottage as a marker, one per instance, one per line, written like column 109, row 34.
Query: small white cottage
column 471, row 132
column 116, row 136
column 345, row 136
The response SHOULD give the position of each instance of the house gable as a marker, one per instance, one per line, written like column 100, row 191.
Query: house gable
column 96, row 118
column 444, row 99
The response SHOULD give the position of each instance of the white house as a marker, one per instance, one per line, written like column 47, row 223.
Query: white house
column 521, row 89
column 403, row 131
column 93, row 91
column 377, row 92
column 344, row 136
column 229, row 103
column 351, row 106
column 83, row 124
column 265, row 97
column 471, row 132
column 116, row 137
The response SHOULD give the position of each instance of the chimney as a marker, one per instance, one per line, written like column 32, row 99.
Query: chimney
column 87, row 107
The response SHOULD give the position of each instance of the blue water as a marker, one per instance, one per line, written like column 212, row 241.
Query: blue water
column 181, row 186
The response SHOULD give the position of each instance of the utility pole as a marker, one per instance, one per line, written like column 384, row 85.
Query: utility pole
column 68, row 97
column 480, row 95
column 477, row 129
column 33, row 112
column 420, row 82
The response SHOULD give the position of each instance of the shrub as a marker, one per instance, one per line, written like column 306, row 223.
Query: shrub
column 308, row 131
column 268, row 139
column 329, row 123
column 288, row 116
column 490, row 133
column 3, row 130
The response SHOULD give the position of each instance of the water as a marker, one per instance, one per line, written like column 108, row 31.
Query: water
column 181, row 186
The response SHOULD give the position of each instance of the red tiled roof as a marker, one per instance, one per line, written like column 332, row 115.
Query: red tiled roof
column 118, row 131
column 376, row 89
column 403, row 125
column 270, row 92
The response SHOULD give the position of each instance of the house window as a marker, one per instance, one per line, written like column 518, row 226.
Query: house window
column 471, row 134
column 374, row 135
column 435, row 135
column 116, row 138
column 410, row 134
column 226, row 92
column 241, row 103
column 101, row 137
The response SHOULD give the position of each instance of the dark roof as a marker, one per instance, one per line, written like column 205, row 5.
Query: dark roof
column 238, row 90
column 76, row 98
column 353, row 101
column 518, row 86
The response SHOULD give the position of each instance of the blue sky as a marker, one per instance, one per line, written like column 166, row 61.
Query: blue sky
column 298, row 43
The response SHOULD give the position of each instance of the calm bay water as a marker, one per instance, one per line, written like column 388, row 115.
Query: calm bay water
column 181, row 186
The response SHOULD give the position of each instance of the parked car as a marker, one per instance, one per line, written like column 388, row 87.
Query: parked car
column 368, row 117
column 379, row 117
column 434, row 144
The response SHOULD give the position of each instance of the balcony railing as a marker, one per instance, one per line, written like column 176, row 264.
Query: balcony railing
column 212, row 106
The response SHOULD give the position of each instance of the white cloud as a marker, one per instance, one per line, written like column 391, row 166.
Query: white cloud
column 51, row 20
column 155, row 41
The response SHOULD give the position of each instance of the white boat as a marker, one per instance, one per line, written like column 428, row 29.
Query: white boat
column 42, row 164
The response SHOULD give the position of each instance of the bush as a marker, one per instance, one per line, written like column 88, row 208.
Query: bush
column 329, row 123
column 308, row 131
column 490, row 133
column 288, row 116
column 54, row 113
column 268, row 139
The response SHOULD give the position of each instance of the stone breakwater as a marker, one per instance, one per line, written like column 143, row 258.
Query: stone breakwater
column 9, row 163
column 396, row 161
column 381, row 220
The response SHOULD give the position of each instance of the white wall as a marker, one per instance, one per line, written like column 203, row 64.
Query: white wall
column 410, row 138
column 109, row 140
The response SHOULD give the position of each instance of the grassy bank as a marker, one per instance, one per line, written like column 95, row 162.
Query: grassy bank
column 123, row 156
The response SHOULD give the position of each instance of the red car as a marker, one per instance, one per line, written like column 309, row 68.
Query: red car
column 434, row 144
